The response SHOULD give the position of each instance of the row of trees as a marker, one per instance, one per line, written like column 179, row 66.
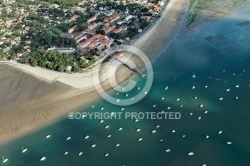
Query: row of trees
column 54, row 60
column 48, row 38
column 64, row 3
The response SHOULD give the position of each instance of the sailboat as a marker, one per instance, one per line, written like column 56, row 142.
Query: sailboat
column 193, row 76
column 24, row 149
column 4, row 160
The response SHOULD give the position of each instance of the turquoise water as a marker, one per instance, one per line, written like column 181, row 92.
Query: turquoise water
column 218, row 54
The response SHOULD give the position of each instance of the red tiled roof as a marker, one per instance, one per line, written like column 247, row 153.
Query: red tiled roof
column 86, row 42
column 73, row 17
column 108, row 29
column 118, row 54
column 118, row 30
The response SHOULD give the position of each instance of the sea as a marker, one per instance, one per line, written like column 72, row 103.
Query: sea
column 204, row 76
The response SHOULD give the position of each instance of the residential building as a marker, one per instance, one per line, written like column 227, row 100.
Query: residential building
column 73, row 18
column 92, row 26
column 72, row 29
column 91, row 19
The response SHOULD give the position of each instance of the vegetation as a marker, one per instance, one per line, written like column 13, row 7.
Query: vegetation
column 54, row 60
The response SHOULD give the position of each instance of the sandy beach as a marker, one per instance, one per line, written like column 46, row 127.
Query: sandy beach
column 31, row 97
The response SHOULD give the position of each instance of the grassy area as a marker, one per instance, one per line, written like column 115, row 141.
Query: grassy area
column 196, row 9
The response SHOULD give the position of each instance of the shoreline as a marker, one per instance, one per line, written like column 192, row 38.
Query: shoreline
column 57, row 105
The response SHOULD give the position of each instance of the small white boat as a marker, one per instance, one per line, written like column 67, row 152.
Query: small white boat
column 138, row 130
column 206, row 112
column 126, row 95
column 157, row 126
column 168, row 150
column 191, row 113
column 101, row 121
column 184, row 136
column 195, row 97
column 117, row 100
column 102, row 108
column 207, row 136
column 136, row 120
column 120, row 129
column 145, row 93
column 43, row 158
column 236, row 97
column 173, row 131
column 92, row 106
column 154, row 105
column 201, row 105
column 228, row 90
column 193, row 87
column 4, row 160
column 154, row 131
column 220, row 132
column 178, row 99
column 106, row 155
column 93, row 146
column 112, row 113
column 109, row 136
column 66, row 153
column 162, row 98
column 48, row 136
column 166, row 88
column 117, row 145
column 122, row 109
column 24, row 150
column 106, row 126
column 181, row 106
column 193, row 76
column 199, row 118
column 206, row 86
column 140, row 139
column 139, row 88
column 169, row 108
column 229, row 143
column 237, row 86
column 80, row 154
column 221, row 98
column 68, row 138
column 87, row 136
column 161, row 140
column 191, row 153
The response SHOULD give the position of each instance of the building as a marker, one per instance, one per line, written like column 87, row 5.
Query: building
column 119, row 54
column 83, row 58
column 156, row 9
column 72, row 29
column 128, row 17
column 92, row 26
column 109, row 29
column 80, row 37
column 146, row 17
column 91, row 19
column 73, row 18
column 112, row 18
column 85, row 43
column 62, row 50
column 118, row 30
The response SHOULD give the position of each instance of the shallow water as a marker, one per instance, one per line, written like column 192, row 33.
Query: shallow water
column 218, row 54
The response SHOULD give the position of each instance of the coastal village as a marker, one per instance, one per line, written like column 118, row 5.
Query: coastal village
column 70, row 39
